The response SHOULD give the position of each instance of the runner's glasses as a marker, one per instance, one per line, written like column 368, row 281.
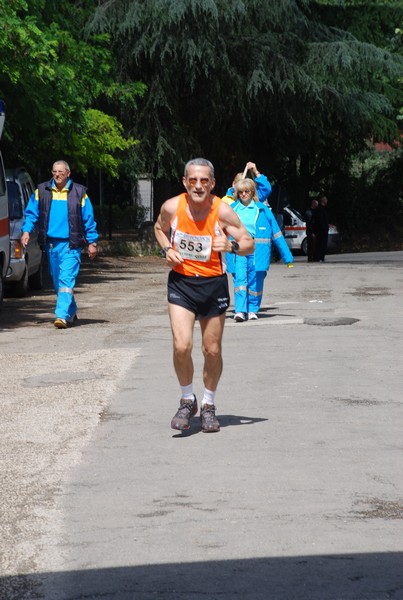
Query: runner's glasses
column 203, row 180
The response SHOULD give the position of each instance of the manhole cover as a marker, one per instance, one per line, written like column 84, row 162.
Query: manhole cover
column 330, row 321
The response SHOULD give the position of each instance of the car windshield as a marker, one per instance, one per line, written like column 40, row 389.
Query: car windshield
column 298, row 215
column 14, row 201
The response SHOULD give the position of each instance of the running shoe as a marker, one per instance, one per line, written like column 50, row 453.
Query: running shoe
column 187, row 409
column 239, row 317
column 209, row 422
column 252, row 316
column 60, row 323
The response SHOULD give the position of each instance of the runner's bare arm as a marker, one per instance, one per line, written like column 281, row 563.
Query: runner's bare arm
column 233, row 227
column 162, row 229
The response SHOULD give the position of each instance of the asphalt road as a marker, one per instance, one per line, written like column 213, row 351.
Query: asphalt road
column 300, row 495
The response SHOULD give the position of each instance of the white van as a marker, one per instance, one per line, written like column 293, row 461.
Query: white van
column 294, row 230
column 25, row 270
column 4, row 222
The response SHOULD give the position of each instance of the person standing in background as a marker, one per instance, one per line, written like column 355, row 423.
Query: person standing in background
column 263, row 190
column 310, row 235
column 320, row 228
column 65, row 219
column 250, row 271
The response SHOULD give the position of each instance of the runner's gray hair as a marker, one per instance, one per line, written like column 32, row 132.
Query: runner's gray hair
column 200, row 162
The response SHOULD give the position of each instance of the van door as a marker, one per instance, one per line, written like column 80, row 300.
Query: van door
column 294, row 230
column 4, row 222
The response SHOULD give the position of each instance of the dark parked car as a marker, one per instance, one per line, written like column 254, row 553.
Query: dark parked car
column 25, row 270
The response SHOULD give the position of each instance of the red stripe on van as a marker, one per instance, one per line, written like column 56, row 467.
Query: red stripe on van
column 290, row 228
column 4, row 229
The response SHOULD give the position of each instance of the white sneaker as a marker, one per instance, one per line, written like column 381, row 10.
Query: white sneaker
column 239, row 317
column 252, row 316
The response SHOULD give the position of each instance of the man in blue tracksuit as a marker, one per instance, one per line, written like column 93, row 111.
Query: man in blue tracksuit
column 250, row 271
column 65, row 219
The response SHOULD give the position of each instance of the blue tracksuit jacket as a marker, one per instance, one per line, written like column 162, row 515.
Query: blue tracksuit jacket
column 267, row 231
column 250, row 271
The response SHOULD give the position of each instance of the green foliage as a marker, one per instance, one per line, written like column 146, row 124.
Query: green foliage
column 368, row 188
column 369, row 206
column 298, row 86
column 52, row 80
column 23, row 49
column 99, row 142
column 238, row 79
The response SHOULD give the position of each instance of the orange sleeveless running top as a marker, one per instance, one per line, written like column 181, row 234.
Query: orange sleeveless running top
column 193, row 240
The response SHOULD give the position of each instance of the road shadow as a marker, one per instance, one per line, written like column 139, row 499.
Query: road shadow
column 31, row 310
column 117, row 268
column 37, row 308
column 225, row 421
column 372, row 576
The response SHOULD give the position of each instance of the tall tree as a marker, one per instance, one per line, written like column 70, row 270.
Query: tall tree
column 242, row 79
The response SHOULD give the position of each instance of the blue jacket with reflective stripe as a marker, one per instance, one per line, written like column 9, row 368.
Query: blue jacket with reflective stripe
column 267, row 232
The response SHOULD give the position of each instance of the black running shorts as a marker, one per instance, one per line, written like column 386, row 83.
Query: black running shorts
column 204, row 296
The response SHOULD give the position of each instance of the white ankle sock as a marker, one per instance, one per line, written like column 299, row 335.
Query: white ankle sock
column 187, row 392
column 208, row 397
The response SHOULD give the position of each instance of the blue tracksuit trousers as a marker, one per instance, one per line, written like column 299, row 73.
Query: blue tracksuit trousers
column 260, row 277
column 64, row 265
column 245, row 291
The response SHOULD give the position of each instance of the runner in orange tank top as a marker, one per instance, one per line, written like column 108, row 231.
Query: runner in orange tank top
column 192, row 230
column 193, row 240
